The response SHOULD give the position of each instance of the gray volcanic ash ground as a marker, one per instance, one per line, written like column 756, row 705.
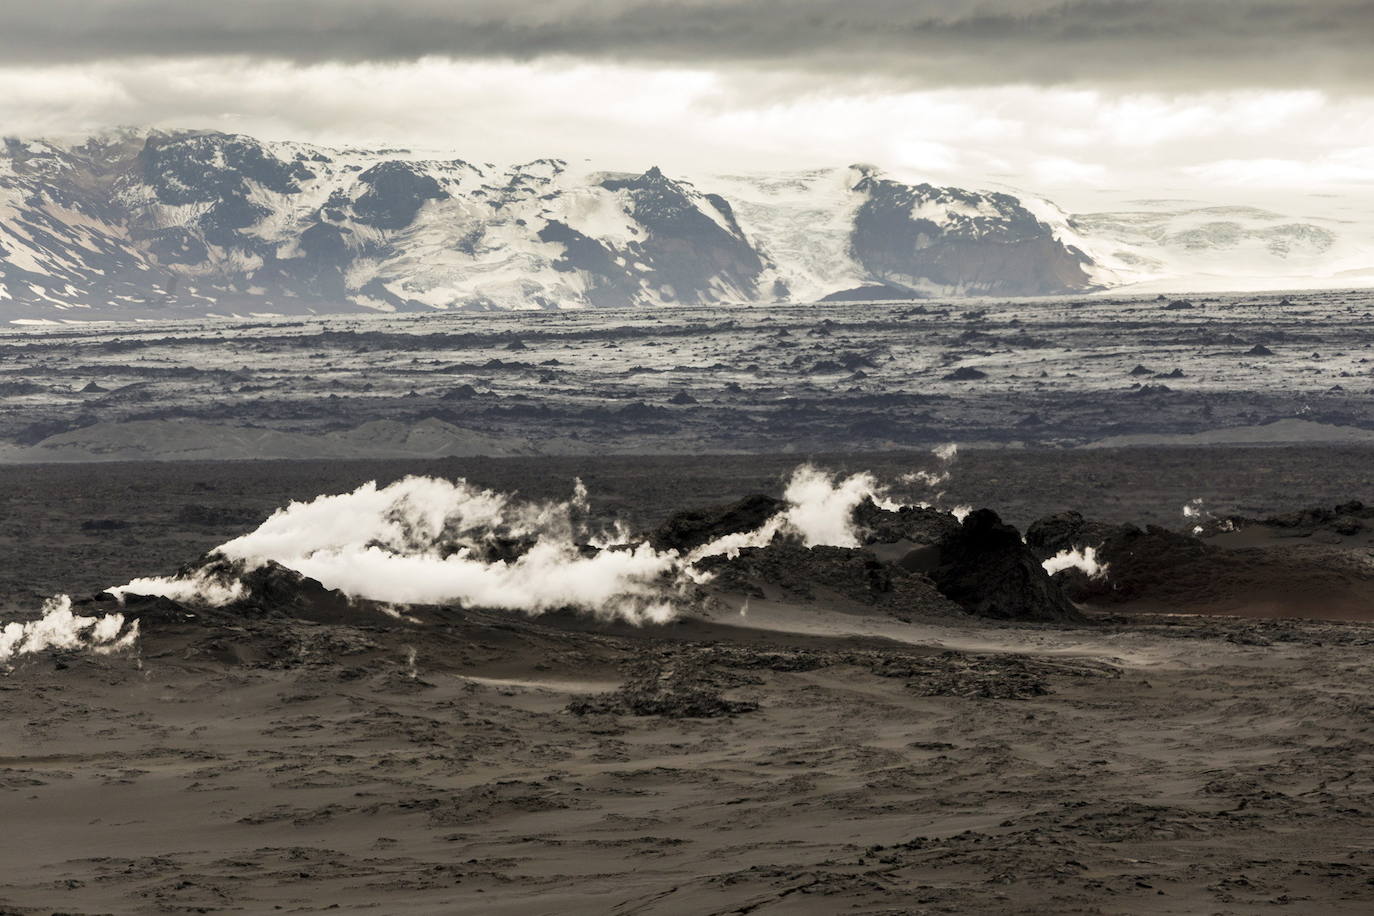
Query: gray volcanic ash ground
column 848, row 706
column 842, row 377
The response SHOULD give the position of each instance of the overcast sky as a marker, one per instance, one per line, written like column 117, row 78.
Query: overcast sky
column 1079, row 99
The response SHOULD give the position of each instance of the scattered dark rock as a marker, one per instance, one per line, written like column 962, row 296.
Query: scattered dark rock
column 964, row 374
column 1179, row 305
column 94, row 388
column 675, row 685
column 1259, row 350
column 682, row 398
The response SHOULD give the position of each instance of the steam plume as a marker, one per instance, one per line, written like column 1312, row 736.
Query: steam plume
column 59, row 628
column 423, row 540
column 1084, row 559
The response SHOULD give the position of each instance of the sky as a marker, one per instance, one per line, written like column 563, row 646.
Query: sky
column 1085, row 101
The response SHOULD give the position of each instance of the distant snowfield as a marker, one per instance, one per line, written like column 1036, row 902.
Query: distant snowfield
column 1226, row 249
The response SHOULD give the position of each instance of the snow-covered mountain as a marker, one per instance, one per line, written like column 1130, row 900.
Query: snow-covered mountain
column 157, row 224
column 200, row 222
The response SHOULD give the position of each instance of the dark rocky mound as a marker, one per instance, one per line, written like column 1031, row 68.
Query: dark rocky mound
column 810, row 572
column 878, row 293
column 690, row 529
column 274, row 590
column 675, row 685
column 910, row 523
column 1179, row 305
column 917, row 561
column 146, row 609
column 1067, row 530
column 1347, row 519
column 1141, row 563
column 1153, row 562
column 1259, row 350
column 985, row 569
column 1306, row 563
column 964, row 374
column 270, row 592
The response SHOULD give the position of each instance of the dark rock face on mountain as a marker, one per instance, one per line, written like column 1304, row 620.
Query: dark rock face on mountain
column 395, row 193
column 694, row 246
column 942, row 241
column 161, row 224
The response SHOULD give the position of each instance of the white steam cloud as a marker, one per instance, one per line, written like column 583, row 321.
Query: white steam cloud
column 820, row 511
column 423, row 540
column 1084, row 559
column 59, row 628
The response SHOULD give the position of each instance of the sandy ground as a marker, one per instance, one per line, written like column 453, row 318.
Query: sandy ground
column 1157, row 766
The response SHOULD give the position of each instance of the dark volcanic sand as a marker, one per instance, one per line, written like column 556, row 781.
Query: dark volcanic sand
column 1138, row 764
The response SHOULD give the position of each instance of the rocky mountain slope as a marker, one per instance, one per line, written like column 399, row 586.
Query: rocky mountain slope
column 146, row 224
column 139, row 224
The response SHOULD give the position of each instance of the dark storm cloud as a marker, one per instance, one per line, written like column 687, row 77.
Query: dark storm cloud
column 1197, row 43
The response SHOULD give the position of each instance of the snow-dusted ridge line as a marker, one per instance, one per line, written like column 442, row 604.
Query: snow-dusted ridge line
column 149, row 224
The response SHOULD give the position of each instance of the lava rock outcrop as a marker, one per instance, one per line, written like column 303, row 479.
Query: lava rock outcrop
column 687, row 530
column 986, row 569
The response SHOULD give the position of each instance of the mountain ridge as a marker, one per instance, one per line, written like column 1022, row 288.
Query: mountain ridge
column 162, row 224
column 186, row 222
